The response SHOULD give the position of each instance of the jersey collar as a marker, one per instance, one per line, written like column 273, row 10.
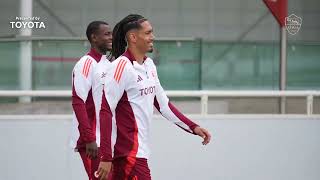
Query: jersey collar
column 96, row 55
column 129, row 55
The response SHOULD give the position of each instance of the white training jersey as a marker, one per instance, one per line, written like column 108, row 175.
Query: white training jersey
column 130, row 92
column 87, row 76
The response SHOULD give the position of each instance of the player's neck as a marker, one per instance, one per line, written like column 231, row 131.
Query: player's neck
column 98, row 50
column 138, row 56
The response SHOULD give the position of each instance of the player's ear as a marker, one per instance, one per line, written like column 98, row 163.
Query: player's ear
column 93, row 37
column 132, row 37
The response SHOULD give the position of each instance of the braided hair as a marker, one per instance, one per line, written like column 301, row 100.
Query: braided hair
column 119, row 43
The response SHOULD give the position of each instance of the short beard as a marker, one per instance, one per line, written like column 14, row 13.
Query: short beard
column 151, row 50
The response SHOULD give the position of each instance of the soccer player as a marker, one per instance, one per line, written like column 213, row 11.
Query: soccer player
column 86, row 85
column 131, row 90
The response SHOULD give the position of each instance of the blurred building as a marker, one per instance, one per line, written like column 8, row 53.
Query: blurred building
column 204, row 44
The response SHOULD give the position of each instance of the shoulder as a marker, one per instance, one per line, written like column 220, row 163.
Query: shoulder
column 122, row 65
column 85, row 61
column 86, row 58
column 84, row 65
column 122, row 62
column 121, row 59
column 149, row 62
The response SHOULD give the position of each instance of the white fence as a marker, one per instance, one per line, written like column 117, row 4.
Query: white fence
column 203, row 95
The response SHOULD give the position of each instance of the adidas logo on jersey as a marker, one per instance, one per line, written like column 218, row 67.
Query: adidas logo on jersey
column 103, row 75
column 139, row 78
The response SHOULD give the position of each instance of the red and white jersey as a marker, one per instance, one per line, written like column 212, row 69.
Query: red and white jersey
column 87, row 88
column 130, row 92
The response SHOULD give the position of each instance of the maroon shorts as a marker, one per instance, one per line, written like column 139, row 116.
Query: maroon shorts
column 91, row 165
column 130, row 168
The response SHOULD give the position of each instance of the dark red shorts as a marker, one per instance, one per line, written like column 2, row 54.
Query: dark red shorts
column 91, row 165
column 130, row 168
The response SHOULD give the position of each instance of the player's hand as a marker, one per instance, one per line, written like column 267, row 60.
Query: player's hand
column 92, row 150
column 103, row 170
column 203, row 133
